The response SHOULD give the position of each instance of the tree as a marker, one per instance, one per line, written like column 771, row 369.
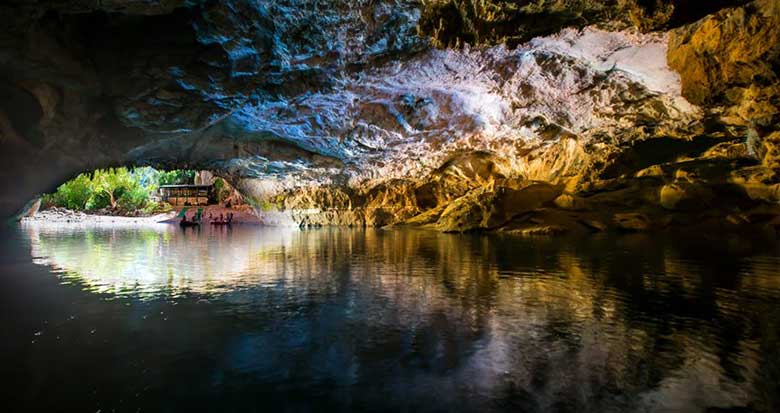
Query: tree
column 74, row 194
column 177, row 177
column 118, row 188
column 113, row 182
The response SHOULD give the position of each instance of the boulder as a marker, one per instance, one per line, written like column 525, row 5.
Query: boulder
column 631, row 221
column 729, row 60
column 571, row 202
column 593, row 224
column 771, row 152
column 685, row 196
column 491, row 206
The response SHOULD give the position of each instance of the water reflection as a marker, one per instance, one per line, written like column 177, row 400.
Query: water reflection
column 147, row 261
column 411, row 320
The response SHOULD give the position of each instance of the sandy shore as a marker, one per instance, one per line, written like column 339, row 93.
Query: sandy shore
column 76, row 217
column 241, row 215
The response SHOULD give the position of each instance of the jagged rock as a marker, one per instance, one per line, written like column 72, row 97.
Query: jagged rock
column 728, row 150
column 454, row 22
column 594, row 225
column 29, row 209
column 355, row 129
column 758, row 182
column 631, row 221
column 341, row 113
column 728, row 60
column 468, row 212
column 493, row 206
column 685, row 196
column 771, row 157
column 571, row 202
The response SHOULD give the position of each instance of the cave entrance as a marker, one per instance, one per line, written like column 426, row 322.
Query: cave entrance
column 137, row 192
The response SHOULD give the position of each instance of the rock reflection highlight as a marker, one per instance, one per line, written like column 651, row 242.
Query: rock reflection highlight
column 414, row 320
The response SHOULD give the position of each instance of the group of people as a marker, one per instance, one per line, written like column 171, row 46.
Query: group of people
column 196, row 219
column 221, row 219
column 189, row 222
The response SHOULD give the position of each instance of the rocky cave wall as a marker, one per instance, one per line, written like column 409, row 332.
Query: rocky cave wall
column 522, row 116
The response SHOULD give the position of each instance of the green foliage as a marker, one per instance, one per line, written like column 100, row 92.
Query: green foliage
column 48, row 201
column 147, row 176
column 266, row 205
column 176, row 177
column 74, row 194
column 221, row 189
column 98, row 200
column 114, row 182
column 117, row 188
column 157, row 208
column 133, row 198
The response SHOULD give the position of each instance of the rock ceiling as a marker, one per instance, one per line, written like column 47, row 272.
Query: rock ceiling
column 446, row 113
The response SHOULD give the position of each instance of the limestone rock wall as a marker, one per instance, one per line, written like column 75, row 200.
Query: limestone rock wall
column 525, row 116
column 455, row 22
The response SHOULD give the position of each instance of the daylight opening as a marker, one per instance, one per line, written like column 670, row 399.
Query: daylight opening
column 184, row 195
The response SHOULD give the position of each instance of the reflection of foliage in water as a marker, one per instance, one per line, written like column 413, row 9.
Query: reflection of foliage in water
column 150, row 260
column 538, row 324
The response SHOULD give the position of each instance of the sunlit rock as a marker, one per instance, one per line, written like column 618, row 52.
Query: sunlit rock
column 570, row 202
column 454, row 22
column 729, row 60
column 356, row 113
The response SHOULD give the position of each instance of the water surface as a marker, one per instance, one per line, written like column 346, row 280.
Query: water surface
column 248, row 319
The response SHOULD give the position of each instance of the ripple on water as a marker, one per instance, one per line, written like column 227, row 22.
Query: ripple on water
column 403, row 319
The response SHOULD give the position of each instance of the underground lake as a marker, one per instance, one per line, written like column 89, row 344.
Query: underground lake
column 159, row 318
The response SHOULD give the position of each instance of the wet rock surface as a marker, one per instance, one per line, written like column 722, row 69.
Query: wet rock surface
column 450, row 115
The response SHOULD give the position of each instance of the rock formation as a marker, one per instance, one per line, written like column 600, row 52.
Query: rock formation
column 520, row 116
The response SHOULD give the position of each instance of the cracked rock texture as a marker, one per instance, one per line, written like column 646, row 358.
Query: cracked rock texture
column 453, row 22
column 528, row 117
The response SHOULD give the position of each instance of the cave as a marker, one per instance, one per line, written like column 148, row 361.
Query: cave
column 498, row 167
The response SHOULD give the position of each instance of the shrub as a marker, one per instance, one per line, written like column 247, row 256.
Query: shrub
column 266, row 205
column 153, row 207
column 75, row 193
column 115, row 187
column 221, row 190
column 49, row 200
column 114, row 183
column 135, row 197
column 176, row 177
column 98, row 200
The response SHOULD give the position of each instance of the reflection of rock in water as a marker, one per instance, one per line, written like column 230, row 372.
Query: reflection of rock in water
column 459, row 321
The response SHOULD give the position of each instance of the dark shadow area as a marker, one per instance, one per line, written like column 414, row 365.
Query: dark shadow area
column 655, row 152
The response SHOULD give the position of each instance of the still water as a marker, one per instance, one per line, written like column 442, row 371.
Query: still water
column 249, row 319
